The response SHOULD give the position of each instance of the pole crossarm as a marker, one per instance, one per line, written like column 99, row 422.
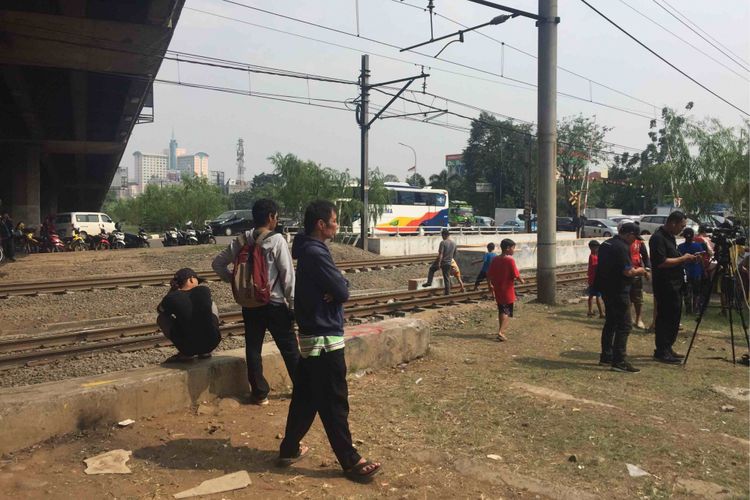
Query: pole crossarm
column 516, row 12
column 420, row 113
column 460, row 33
column 406, row 85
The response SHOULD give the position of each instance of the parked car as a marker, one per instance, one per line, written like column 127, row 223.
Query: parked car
column 482, row 221
column 512, row 226
column 565, row 224
column 622, row 219
column 604, row 228
column 89, row 223
column 232, row 222
column 650, row 223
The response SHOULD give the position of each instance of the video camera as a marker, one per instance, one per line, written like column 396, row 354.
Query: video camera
column 724, row 237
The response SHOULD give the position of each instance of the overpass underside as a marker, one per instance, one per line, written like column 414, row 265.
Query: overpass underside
column 75, row 78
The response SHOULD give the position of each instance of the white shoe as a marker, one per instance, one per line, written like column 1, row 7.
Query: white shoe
column 640, row 325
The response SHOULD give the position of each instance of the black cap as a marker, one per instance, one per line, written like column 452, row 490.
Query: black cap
column 631, row 228
column 184, row 274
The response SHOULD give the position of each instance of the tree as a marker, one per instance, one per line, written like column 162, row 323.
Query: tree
column 416, row 180
column 158, row 208
column 390, row 178
column 580, row 141
column 498, row 152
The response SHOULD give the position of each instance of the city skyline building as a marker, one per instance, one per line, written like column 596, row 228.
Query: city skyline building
column 149, row 168
column 195, row 164
column 172, row 153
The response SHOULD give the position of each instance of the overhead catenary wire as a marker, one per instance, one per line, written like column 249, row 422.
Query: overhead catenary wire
column 459, row 64
column 741, row 60
column 533, row 56
column 698, row 49
column 663, row 59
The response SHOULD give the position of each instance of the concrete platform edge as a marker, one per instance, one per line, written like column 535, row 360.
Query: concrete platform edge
column 33, row 414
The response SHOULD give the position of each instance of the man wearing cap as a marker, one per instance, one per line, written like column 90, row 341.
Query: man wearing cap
column 446, row 254
column 668, row 280
column 189, row 318
column 613, row 278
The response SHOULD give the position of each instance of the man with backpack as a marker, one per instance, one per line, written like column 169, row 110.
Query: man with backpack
column 263, row 284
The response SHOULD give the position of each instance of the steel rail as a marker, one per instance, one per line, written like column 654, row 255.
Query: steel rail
column 43, row 349
column 159, row 278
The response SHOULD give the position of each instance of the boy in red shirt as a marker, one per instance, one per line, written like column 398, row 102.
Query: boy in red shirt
column 593, row 292
column 502, row 274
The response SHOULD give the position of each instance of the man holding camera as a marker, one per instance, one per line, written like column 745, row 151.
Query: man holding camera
column 668, row 280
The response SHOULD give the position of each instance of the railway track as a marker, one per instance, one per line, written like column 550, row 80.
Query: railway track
column 159, row 278
column 31, row 351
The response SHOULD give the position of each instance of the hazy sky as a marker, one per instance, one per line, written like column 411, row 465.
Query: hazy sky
column 587, row 45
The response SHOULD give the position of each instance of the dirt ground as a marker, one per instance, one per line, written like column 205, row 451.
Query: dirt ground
column 534, row 417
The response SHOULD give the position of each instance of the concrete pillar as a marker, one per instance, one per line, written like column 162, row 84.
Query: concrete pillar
column 26, row 174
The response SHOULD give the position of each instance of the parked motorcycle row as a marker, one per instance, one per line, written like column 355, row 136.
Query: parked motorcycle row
column 188, row 236
column 26, row 240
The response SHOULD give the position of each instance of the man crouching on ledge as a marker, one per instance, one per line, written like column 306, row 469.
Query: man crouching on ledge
column 320, row 378
column 189, row 318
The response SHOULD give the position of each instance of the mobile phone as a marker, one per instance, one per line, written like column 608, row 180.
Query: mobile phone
column 699, row 253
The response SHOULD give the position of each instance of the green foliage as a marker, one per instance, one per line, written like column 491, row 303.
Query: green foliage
column 263, row 186
column 498, row 152
column 161, row 207
column 416, row 180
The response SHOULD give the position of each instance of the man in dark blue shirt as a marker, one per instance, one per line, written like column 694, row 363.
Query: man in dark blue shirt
column 613, row 278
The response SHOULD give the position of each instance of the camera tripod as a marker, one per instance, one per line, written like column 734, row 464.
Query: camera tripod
column 727, row 276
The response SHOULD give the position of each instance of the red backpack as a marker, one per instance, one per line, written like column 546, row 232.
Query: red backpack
column 250, row 285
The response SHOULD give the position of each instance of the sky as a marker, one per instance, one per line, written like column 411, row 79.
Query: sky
column 480, row 72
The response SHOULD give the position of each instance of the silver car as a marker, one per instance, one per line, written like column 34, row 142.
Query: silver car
column 604, row 228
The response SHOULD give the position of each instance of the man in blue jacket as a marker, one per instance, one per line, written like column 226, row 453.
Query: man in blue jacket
column 320, row 379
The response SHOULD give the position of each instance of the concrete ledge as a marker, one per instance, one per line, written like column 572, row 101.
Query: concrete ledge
column 31, row 414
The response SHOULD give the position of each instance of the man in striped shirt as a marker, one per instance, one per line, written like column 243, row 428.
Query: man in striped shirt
column 320, row 379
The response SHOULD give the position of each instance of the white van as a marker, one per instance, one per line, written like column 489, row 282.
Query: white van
column 87, row 222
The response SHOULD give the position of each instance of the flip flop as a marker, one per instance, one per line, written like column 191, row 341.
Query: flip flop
column 204, row 355
column 357, row 472
column 179, row 358
column 500, row 337
column 286, row 462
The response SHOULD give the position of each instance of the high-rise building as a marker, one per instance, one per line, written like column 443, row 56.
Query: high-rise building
column 149, row 168
column 196, row 165
column 172, row 153
column 119, row 185
column 216, row 178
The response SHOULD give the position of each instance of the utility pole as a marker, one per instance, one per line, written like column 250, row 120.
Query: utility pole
column 364, row 121
column 364, row 109
column 527, row 187
column 547, row 141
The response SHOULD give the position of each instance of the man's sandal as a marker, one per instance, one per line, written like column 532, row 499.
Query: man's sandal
column 363, row 472
column 286, row 462
column 179, row 358
column 500, row 337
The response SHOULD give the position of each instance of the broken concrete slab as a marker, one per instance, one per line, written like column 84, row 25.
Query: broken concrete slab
column 738, row 393
column 111, row 462
column 229, row 482
column 703, row 489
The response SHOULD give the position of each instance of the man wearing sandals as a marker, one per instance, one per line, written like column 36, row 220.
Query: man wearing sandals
column 320, row 379
column 189, row 317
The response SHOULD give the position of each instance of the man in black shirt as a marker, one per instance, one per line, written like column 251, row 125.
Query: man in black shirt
column 189, row 318
column 668, row 280
column 613, row 277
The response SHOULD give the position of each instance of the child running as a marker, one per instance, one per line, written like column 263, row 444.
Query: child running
column 502, row 274
column 485, row 264
column 593, row 292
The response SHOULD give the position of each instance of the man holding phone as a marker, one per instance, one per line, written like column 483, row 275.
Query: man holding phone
column 668, row 279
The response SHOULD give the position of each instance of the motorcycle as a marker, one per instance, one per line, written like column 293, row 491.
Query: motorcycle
column 100, row 241
column 171, row 237
column 77, row 243
column 143, row 238
column 52, row 243
column 206, row 235
column 191, row 237
column 27, row 241
column 117, row 238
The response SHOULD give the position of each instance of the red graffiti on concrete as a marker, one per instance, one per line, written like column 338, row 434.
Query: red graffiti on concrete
column 361, row 330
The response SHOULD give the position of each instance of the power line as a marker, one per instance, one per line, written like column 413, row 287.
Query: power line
column 529, row 54
column 390, row 45
column 712, row 38
column 684, row 41
column 665, row 60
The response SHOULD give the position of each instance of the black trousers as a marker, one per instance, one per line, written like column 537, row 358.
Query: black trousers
column 617, row 326
column 446, row 270
column 320, row 388
column 668, row 311
column 277, row 319
column 9, row 248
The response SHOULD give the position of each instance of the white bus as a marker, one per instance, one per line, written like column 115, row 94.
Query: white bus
column 410, row 209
